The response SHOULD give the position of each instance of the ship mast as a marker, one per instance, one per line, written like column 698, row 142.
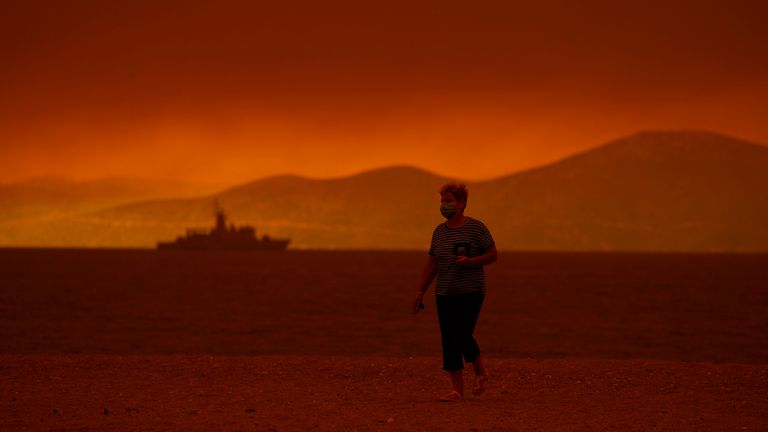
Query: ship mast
column 221, row 218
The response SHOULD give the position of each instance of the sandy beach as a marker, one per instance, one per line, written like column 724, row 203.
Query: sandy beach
column 278, row 393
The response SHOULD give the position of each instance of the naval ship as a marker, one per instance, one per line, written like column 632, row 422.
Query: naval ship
column 223, row 237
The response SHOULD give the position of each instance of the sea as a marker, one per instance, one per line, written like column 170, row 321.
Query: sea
column 685, row 307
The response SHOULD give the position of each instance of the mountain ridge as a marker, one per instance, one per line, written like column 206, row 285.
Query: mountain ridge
column 660, row 191
column 649, row 133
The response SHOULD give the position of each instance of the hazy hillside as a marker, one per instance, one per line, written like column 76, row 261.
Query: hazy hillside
column 39, row 211
column 387, row 208
column 52, row 196
column 669, row 191
column 650, row 191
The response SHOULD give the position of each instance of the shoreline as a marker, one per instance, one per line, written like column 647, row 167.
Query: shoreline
column 415, row 250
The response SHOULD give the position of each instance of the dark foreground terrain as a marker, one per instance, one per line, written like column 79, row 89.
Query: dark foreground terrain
column 150, row 340
column 298, row 393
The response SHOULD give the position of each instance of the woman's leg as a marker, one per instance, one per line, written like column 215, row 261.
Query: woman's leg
column 471, row 351
column 449, row 316
column 449, row 312
column 470, row 312
column 457, row 381
column 478, row 366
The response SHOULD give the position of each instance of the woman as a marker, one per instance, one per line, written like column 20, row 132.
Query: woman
column 460, row 247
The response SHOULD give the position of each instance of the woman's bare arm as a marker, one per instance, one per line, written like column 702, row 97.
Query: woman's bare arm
column 430, row 270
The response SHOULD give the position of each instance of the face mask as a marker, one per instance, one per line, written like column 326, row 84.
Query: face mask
column 448, row 210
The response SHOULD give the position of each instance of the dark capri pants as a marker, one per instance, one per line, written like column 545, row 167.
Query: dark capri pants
column 457, row 314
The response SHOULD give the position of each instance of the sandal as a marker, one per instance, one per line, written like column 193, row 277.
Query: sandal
column 479, row 387
column 453, row 396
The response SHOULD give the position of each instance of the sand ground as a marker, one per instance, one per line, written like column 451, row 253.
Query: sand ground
column 86, row 392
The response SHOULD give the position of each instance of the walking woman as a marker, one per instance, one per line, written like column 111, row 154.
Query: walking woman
column 460, row 247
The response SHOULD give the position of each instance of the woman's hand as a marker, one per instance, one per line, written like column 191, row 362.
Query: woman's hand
column 488, row 257
column 464, row 261
column 418, row 303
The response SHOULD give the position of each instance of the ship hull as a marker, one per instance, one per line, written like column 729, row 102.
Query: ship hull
column 184, row 244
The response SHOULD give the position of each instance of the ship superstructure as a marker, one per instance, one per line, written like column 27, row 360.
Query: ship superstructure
column 225, row 237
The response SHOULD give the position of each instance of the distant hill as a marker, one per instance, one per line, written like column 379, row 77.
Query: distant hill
column 387, row 208
column 662, row 191
column 39, row 211
column 48, row 197
column 653, row 191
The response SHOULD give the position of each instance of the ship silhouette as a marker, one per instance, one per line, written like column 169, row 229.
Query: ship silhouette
column 223, row 237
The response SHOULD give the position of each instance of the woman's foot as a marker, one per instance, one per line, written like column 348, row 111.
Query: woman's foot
column 479, row 386
column 453, row 396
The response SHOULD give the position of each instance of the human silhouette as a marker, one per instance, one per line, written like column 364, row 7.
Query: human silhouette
column 460, row 247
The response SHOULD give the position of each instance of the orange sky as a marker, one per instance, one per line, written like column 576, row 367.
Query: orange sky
column 232, row 91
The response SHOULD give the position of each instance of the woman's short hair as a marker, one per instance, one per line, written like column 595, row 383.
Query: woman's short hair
column 458, row 190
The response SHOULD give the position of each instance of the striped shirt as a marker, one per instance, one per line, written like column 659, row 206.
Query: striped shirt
column 471, row 239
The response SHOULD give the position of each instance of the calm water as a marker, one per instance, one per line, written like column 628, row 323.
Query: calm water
column 684, row 307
